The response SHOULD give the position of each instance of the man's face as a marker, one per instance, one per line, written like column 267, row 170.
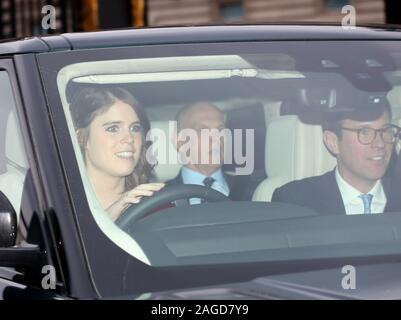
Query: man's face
column 208, row 151
column 361, row 165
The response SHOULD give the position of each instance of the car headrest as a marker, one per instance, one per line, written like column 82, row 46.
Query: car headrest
column 295, row 150
column 14, row 143
column 167, row 166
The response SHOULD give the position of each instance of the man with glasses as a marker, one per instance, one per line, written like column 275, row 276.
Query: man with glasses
column 362, row 141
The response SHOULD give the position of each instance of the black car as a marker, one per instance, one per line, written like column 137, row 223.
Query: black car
column 274, row 84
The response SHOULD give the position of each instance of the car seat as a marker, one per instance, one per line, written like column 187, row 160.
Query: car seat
column 12, row 180
column 294, row 150
column 168, row 166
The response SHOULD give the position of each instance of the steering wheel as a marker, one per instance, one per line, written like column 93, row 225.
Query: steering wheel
column 167, row 195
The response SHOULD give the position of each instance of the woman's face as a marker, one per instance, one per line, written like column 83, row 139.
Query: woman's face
column 114, row 142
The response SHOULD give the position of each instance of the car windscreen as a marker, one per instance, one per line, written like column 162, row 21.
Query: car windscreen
column 222, row 153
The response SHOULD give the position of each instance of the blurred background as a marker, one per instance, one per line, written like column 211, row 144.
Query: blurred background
column 23, row 18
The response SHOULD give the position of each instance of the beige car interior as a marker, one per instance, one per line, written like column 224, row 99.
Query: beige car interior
column 167, row 166
column 294, row 150
column 12, row 181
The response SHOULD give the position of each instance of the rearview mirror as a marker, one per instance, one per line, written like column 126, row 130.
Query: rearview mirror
column 8, row 222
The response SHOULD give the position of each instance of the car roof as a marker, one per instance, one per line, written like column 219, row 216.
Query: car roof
column 196, row 34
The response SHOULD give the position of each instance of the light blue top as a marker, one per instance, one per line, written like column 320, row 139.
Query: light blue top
column 190, row 176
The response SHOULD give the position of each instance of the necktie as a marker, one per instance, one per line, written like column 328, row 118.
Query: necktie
column 208, row 182
column 367, row 201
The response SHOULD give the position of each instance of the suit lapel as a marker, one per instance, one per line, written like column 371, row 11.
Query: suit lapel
column 331, row 202
column 230, row 183
column 392, row 189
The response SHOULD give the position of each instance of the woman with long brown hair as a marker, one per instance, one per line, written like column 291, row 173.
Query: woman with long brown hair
column 111, row 128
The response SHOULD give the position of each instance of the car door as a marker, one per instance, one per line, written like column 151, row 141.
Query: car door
column 34, row 277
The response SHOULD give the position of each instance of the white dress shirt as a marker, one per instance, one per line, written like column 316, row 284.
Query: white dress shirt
column 353, row 203
column 193, row 177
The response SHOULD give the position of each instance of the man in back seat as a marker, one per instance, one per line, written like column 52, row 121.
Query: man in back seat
column 362, row 142
column 197, row 117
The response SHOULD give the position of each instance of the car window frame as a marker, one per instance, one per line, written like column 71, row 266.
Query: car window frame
column 33, row 206
column 50, row 64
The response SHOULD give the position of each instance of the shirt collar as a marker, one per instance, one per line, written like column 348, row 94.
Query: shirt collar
column 218, row 176
column 190, row 176
column 349, row 194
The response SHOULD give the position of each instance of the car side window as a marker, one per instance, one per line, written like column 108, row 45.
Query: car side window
column 13, row 160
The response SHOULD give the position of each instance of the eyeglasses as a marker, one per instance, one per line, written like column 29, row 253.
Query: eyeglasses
column 367, row 135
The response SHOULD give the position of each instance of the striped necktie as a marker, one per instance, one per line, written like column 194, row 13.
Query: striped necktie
column 367, row 201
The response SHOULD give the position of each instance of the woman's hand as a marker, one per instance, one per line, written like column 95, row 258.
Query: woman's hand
column 131, row 197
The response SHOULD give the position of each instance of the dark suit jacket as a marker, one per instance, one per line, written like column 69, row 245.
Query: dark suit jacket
column 322, row 194
column 237, row 189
